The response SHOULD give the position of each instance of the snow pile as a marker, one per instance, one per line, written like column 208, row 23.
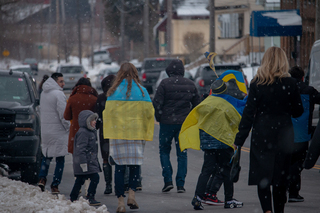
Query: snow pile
column 16, row 196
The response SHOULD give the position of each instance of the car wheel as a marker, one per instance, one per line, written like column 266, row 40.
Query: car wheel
column 30, row 171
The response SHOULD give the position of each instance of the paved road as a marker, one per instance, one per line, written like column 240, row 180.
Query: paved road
column 151, row 199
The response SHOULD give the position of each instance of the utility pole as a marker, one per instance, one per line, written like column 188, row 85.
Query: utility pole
column 169, row 26
column 146, row 28
column 92, row 4
column 317, row 28
column 49, row 36
column 63, row 12
column 101, row 14
column 122, row 57
column 212, row 47
column 58, row 28
column 79, row 32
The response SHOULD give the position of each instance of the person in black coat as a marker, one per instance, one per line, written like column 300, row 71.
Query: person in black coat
column 302, row 133
column 104, row 143
column 174, row 99
column 273, row 98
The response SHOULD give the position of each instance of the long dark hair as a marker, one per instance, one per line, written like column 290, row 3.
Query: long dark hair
column 83, row 81
column 44, row 78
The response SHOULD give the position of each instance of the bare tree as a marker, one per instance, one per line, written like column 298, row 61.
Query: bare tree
column 193, row 43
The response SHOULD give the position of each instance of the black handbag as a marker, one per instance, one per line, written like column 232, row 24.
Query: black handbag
column 235, row 168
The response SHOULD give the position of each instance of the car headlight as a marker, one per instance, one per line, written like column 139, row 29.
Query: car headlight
column 24, row 118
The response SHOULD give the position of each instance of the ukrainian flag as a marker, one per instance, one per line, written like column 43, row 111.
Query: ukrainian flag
column 128, row 119
column 238, row 76
column 218, row 115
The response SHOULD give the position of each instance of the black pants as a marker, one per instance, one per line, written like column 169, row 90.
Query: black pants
column 278, row 195
column 297, row 159
column 216, row 161
column 80, row 179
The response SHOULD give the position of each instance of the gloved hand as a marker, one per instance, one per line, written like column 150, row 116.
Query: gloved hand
column 84, row 167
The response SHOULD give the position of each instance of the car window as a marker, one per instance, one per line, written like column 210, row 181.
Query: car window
column 30, row 60
column 72, row 69
column 100, row 52
column 14, row 89
column 157, row 63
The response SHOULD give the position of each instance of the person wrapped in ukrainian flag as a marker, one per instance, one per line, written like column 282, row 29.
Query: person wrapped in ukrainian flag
column 212, row 126
column 128, row 121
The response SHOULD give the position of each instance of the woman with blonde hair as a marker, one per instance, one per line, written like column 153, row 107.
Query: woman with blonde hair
column 128, row 121
column 272, row 100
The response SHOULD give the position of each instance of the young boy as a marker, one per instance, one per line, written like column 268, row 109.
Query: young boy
column 85, row 157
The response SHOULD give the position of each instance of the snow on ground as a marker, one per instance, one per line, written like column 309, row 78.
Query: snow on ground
column 16, row 197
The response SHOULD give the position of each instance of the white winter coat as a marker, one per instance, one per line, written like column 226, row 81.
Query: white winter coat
column 54, row 128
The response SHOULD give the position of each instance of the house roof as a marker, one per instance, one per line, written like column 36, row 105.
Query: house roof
column 193, row 8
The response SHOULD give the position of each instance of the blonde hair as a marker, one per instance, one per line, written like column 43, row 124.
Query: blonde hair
column 274, row 65
column 129, row 72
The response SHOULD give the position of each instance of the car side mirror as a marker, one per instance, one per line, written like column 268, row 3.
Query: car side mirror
column 37, row 102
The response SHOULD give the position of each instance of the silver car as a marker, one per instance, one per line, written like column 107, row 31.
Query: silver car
column 71, row 74
column 104, row 73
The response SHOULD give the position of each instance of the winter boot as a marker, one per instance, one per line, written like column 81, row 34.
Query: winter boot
column 121, row 207
column 107, row 171
column 42, row 183
column 131, row 200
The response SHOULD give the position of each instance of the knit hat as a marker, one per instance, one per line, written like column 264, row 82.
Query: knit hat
column 218, row 87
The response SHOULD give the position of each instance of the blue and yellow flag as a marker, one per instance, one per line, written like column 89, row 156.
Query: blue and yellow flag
column 238, row 76
column 218, row 115
column 128, row 119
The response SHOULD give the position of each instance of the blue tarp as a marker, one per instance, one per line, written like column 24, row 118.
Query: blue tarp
column 275, row 23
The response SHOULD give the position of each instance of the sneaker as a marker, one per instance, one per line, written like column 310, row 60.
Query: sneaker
column 42, row 184
column 196, row 202
column 297, row 198
column 55, row 190
column 181, row 189
column 233, row 204
column 213, row 200
column 108, row 189
column 93, row 202
column 167, row 187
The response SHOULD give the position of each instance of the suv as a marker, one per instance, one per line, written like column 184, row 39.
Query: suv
column 102, row 56
column 20, row 139
column 150, row 71
column 32, row 62
column 205, row 76
column 71, row 74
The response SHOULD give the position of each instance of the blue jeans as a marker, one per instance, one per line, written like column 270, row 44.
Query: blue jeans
column 167, row 133
column 134, row 177
column 57, row 176
column 80, row 179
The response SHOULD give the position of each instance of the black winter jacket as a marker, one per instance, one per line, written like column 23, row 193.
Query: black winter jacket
column 176, row 96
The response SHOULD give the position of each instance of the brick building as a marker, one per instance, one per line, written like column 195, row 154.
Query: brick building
column 298, row 48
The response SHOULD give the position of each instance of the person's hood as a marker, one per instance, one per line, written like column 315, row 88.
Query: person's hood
column 85, row 117
column 85, row 90
column 50, row 84
column 175, row 68
column 106, row 83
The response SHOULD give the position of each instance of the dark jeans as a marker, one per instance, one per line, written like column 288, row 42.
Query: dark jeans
column 297, row 159
column 45, row 164
column 80, row 179
column 216, row 161
column 167, row 133
column 134, row 177
column 279, row 198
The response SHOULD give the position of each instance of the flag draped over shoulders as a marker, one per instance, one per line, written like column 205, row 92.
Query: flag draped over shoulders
column 218, row 115
column 128, row 119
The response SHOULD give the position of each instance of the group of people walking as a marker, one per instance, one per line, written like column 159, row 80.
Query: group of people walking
column 275, row 110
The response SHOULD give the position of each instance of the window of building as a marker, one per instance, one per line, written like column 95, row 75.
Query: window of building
column 231, row 25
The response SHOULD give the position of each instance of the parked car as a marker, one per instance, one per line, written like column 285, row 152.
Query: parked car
column 163, row 75
column 205, row 76
column 32, row 62
column 104, row 73
column 71, row 74
column 102, row 56
column 312, row 77
column 150, row 71
column 20, row 141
